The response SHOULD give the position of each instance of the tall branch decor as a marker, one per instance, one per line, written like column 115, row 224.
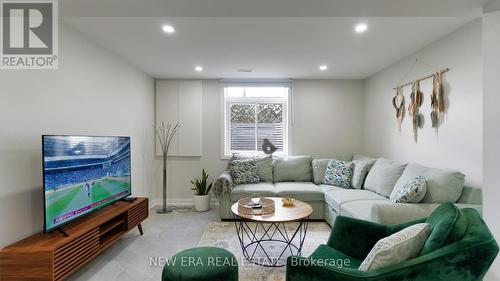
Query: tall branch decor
column 164, row 135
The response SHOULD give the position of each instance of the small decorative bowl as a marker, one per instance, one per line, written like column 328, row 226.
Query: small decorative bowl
column 288, row 201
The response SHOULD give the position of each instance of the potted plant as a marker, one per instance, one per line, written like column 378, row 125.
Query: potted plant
column 201, row 189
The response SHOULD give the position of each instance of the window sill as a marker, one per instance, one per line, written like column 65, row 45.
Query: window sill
column 228, row 157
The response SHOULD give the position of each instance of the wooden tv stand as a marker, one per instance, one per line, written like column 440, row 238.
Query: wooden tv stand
column 53, row 256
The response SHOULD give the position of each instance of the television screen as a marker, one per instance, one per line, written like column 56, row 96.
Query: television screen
column 83, row 173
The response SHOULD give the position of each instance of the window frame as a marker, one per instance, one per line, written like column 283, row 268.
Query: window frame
column 228, row 101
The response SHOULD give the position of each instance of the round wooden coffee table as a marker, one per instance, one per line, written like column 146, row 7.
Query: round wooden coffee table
column 268, row 240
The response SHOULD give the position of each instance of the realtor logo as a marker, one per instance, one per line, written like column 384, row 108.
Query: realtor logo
column 29, row 35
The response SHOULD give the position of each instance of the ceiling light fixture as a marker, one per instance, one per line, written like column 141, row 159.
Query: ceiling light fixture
column 198, row 68
column 361, row 27
column 168, row 29
column 323, row 67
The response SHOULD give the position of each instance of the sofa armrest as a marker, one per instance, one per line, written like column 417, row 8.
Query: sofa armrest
column 396, row 213
column 355, row 237
column 222, row 184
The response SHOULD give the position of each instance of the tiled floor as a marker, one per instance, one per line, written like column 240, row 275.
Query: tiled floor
column 132, row 258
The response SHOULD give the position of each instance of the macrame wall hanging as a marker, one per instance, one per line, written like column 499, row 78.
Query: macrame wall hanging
column 437, row 100
column 399, row 104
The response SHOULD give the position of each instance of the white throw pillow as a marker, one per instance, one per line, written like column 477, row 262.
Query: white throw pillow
column 412, row 192
column 400, row 246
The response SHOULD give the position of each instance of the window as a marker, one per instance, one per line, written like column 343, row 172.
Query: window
column 253, row 113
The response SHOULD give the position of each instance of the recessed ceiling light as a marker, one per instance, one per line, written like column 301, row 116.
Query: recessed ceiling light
column 361, row 27
column 168, row 29
column 198, row 68
column 323, row 67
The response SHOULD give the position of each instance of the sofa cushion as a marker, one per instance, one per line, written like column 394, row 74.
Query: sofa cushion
column 244, row 171
column 264, row 164
column 396, row 248
column 327, row 188
column 336, row 198
column 448, row 225
column 339, row 173
column 361, row 169
column 412, row 192
column 292, row 168
column 245, row 190
column 383, row 176
column 442, row 185
column 361, row 209
column 471, row 195
column 319, row 168
column 303, row 191
column 325, row 254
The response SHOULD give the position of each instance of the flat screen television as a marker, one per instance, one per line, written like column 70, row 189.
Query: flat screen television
column 82, row 174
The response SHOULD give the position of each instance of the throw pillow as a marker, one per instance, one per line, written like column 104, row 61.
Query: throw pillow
column 264, row 164
column 361, row 169
column 339, row 173
column 412, row 192
column 244, row 171
column 442, row 185
column 400, row 246
column 383, row 176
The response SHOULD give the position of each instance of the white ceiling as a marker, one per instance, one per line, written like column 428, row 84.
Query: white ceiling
column 274, row 38
column 271, row 8
column 271, row 47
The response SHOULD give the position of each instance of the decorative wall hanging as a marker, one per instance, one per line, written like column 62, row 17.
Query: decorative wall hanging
column 437, row 100
column 416, row 100
column 398, row 101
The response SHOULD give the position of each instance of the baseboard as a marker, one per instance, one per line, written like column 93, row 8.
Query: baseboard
column 179, row 202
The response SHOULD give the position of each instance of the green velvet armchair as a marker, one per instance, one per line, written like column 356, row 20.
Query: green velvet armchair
column 463, row 251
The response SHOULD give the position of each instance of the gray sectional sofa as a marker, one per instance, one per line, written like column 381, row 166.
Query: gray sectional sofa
column 301, row 177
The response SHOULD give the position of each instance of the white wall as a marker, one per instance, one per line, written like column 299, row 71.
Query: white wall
column 92, row 92
column 491, row 115
column 458, row 145
column 327, row 114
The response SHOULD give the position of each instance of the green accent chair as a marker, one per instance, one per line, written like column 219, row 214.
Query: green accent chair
column 200, row 264
column 460, row 247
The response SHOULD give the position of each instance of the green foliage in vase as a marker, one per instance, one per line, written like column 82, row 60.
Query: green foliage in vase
column 200, row 185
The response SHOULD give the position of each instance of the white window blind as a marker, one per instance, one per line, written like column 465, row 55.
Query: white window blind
column 254, row 111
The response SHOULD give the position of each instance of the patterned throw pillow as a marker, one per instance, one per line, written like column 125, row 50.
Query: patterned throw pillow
column 412, row 192
column 244, row 171
column 339, row 173
column 399, row 247
column 264, row 164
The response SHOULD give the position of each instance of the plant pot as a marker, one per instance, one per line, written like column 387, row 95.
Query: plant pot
column 201, row 202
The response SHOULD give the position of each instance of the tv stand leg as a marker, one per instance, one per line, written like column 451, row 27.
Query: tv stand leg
column 62, row 231
column 140, row 229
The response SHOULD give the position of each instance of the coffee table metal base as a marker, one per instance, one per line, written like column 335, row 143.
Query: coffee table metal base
column 255, row 238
